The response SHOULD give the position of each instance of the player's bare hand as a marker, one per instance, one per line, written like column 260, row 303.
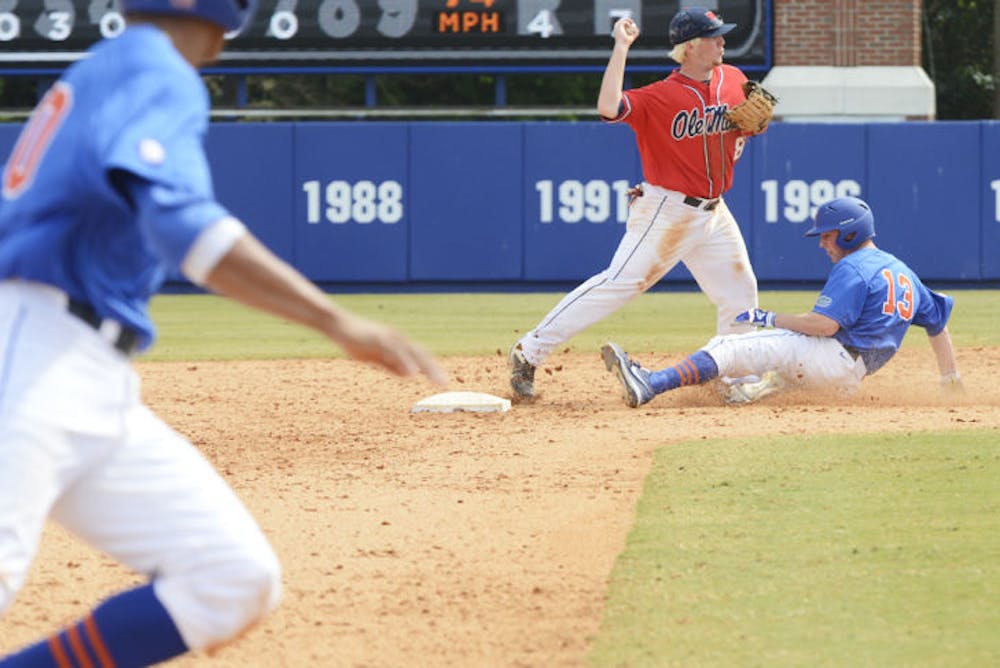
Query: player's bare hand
column 951, row 384
column 369, row 341
column 625, row 30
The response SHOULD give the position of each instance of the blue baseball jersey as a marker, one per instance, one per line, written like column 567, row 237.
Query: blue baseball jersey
column 875, row 297
column 133, row 106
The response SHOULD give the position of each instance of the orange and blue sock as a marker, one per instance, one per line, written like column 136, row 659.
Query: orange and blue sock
column 692, row 370
column 130, row 629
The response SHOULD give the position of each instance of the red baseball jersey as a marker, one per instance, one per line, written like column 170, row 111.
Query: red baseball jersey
column 685, row 142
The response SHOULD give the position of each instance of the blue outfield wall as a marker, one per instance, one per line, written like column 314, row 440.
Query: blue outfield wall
column 542, row 202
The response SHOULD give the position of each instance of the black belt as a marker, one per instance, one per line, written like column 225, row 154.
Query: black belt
column 706, row 204
column 127, row 340
column 853, row 352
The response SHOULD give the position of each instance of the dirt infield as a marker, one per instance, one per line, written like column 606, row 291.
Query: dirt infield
column 451, row 540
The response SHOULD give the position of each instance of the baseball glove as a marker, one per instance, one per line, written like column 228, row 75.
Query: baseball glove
column 756, row 111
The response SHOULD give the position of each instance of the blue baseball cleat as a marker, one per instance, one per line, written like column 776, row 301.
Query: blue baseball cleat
column 634, row 379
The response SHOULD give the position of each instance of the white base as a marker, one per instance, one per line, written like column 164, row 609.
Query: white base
column 452, row 402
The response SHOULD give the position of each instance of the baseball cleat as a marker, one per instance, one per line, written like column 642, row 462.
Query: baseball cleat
column 751, row 388
column 636, row 389
column 522, row 373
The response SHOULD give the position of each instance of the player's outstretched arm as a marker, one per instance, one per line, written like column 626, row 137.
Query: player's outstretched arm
column 810, row 323
column 944, row 352
column 624, row 33
column 251, row 274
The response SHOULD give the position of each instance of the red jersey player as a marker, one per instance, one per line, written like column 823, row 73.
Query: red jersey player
column 688, row 149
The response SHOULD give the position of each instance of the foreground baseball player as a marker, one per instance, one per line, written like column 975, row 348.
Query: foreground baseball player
column 688, row 148
column 866, row 307
column 106, row 189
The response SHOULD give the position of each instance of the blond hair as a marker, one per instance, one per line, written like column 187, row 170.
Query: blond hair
column 679, row 52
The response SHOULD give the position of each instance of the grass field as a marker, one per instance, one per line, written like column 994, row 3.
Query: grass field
column 208, row 327
column 823, row 551
column 815, row 550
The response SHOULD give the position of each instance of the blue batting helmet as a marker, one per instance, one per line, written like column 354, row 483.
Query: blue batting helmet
column 692, row 22
column 850, row 216
column 230, row 14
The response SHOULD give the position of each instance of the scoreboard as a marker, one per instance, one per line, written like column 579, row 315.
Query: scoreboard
column 360, row 34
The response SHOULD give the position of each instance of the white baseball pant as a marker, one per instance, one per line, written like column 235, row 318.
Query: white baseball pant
column 660, row 232
column 816, row 362
column 78, row 445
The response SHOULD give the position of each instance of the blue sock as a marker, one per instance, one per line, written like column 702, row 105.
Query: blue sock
column 692, row 370
column 130, row 629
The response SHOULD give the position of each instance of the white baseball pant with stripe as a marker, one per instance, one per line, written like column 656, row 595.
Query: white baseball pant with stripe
column 661, row 231
column 817, row 362
column 77, row 445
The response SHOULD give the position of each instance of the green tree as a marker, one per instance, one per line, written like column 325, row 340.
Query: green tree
column 958, row 55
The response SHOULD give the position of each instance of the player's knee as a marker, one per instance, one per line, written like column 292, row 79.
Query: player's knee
column 252, row 588
column 216, row 604
column 627, row 287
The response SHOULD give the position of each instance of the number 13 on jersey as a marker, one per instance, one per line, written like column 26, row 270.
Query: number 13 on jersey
column 903, row 306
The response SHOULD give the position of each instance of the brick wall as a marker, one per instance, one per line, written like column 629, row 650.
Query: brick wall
column 847, row 33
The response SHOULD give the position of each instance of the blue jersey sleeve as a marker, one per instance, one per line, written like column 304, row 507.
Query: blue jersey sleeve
column 843, row 297
column 161, row 144
column 933, row 311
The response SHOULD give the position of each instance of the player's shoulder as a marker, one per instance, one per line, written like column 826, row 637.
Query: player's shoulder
column 658, row 90
column 732, row 70
column 872, row 263
column 868, row 256
column 732, row 73
column 880, row 259
column 856, row 269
